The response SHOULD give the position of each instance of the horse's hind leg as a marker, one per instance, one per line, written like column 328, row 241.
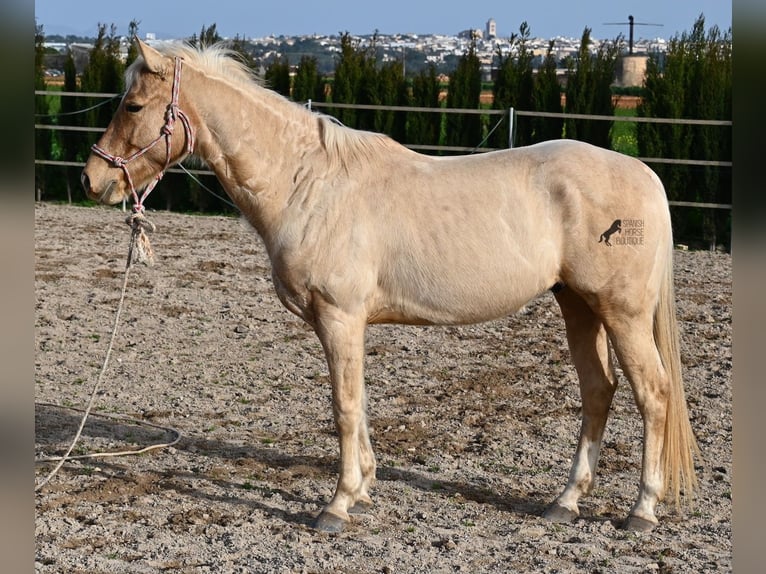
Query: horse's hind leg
column 634, row 345
column 590, row 353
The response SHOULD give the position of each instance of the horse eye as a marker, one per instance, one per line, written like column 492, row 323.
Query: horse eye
column 133, row 108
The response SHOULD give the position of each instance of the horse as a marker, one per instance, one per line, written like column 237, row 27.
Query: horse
column 361, row 230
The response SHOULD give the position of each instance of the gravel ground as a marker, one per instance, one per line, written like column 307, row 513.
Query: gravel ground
column 474, row 427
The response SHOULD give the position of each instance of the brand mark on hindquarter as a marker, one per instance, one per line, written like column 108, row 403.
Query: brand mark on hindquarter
column 629, row 231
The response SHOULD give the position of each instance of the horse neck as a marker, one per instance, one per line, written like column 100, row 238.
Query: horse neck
column 253, row 140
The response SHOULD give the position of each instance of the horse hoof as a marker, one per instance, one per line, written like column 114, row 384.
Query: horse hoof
column 327, row 522
column 557, row 513
column 638, row 524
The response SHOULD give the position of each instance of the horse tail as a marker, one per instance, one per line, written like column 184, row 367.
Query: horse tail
column 680, row 446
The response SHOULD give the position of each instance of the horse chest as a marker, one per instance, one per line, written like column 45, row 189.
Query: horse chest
column 296, row 298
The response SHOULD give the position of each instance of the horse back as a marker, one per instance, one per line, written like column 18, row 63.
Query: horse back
column 485, row 234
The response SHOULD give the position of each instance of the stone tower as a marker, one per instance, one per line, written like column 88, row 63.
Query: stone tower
column 491, row 29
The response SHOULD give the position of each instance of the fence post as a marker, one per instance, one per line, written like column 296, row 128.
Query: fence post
column 510, row 127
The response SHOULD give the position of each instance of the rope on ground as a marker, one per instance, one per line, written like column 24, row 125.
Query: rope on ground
column 176, row 437
column 139, row 242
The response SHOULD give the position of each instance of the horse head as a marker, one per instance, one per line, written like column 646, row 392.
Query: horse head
column 138, row 145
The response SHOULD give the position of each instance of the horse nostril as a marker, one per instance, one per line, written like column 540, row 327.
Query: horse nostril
column 85, row 181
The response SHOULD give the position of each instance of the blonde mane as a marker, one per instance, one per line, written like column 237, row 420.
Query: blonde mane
column 215, row 60
column 346, row 146
column 343, row 145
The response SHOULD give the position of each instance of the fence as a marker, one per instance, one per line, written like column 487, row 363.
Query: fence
column 510, row 113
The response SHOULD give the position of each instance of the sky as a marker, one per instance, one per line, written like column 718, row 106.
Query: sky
column 251, row 19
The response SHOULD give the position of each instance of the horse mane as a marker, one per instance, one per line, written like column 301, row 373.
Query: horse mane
column 345, row 145
column 215, row 60
column 341, row 143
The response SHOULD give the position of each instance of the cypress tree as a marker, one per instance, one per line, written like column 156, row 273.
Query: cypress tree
column 664, row 98
column 132, row 48
column 695, row 82
column 514, row 87
column 277, row 76
column 92, row 80
column 209, row 36
column 424, row 128
column 43, row 140
column 403, row 98
column 239, row 45
column 307, row 84
column 392, row 91
column 72, row 143
column 356, row 82
column 92, row 77
column 112, row 76
column 347, row 74
column 465, row 92
column 710, row 80
column 547, row 98
column 93, row 72
column 104, row 73
column 367, row 88
column 589, row 90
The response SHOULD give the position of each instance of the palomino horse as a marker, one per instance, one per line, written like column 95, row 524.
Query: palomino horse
column 361, row 230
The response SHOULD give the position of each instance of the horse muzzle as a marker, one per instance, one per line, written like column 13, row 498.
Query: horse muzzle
column 108, row 194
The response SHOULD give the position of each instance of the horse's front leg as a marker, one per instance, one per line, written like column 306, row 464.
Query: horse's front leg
column 342, row 336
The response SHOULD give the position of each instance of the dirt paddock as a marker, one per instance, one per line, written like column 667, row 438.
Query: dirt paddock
column 474, row 427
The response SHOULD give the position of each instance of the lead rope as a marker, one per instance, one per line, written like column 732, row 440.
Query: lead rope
column 143, row 254
column 139, row 241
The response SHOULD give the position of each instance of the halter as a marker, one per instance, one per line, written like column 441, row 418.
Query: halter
column 171, row 114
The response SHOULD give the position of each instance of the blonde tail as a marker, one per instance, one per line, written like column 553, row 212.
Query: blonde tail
column 680, row 446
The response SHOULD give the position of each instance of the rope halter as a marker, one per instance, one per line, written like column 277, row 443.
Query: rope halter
column 172, row 113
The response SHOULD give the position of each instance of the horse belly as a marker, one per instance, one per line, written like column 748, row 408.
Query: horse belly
column 474, row 287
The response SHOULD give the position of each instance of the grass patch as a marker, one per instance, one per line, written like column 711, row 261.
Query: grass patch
column 624, row 138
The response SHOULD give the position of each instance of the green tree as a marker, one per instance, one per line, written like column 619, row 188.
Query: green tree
column 43, row 138
column 240, row 46
column 347, row 74
column 277, row 76
column 74, row 144
column 514, row 87
column 368, row 87
column 132, row 35
column 465, row 92
column 424, row 128
column 93, row 73
column 547, row 98
column 307, row 84
column 207, row 36
column 355, row 82
column 113, row 75
column 392, row 91
column 104, row 73
column 588, row 91
column 695, row 82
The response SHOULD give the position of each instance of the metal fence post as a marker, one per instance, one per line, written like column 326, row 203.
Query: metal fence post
column 510, row 127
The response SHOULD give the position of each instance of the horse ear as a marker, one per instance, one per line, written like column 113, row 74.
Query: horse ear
column 155, row 61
